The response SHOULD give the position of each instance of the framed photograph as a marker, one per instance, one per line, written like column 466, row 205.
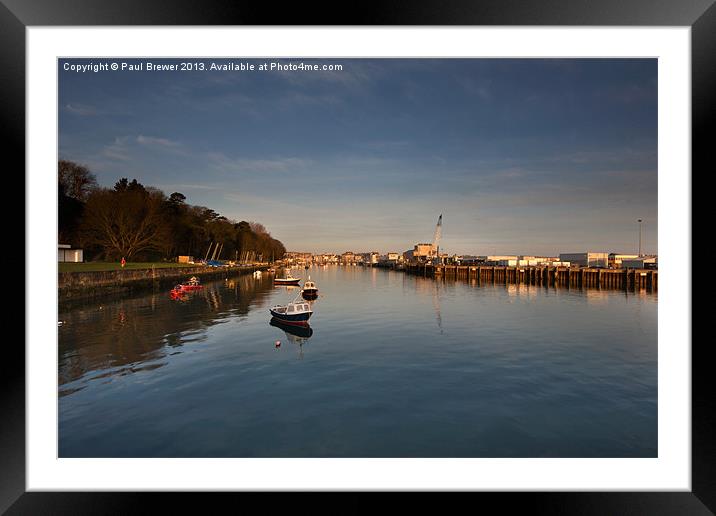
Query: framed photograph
column 430, row 251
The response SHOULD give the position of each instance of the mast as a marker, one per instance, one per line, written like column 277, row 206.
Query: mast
column 438, row 234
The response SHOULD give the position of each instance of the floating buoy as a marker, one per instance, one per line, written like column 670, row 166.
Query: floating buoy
column 278, row 343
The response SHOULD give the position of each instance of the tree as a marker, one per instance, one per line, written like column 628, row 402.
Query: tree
column 127, row 221
column 123, row 185
column 76, row 180
column 69, row 215
column 134, row 220
column 177, row 199
column 258, row 228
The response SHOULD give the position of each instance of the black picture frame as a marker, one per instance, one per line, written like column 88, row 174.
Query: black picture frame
column 700, row 15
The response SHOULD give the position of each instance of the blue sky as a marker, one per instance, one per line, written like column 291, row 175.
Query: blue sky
column 521, row 156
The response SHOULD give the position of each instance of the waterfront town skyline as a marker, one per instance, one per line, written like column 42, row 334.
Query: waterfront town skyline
column 523, row 156
column 486, row 251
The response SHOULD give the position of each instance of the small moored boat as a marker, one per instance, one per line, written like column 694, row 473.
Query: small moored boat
column 288, row 279
column 292, row 313
column 310, row 290
column 192, row 284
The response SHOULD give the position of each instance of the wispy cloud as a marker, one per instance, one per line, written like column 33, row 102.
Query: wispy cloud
column 223, row 163
column 81, row 110
column 151, row 141
column 185, row 186
column 117, row 150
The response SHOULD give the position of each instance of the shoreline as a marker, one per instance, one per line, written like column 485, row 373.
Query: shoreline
column 82, row 286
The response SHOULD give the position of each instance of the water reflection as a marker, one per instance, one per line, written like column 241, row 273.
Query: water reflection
column 114, row 338
column 297, row 335
column 519, row 371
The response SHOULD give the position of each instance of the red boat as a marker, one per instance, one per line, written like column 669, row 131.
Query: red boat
column 192, row 284
column 186, row 287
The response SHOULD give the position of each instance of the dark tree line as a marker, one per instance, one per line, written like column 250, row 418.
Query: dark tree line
column 141, row 223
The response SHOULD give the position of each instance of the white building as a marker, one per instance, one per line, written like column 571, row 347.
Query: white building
column 615, row 260
column 65, row 253
column 588, row 259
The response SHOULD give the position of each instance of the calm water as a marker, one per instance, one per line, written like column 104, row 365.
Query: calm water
column 396, row 366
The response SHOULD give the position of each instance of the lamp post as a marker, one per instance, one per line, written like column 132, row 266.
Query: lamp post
column 639, row 221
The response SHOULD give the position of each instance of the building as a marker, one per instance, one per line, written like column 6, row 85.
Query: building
column 423, row 250
column 65, row 253
column 533, row 261
column 419, row 253
column 615, row 260
column 298, row 258
column 588, row 259
column 469, row 259
column 393, row 257
column 326, row 258
column 348, row 257
column 643, row 262
column 498, row 259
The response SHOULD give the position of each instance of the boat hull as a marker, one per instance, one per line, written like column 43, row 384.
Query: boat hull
column 280, row 281
column 309, row 294
column 298, row 319
column 303, row 330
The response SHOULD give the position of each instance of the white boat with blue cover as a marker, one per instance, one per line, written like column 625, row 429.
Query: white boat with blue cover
column 295, row 312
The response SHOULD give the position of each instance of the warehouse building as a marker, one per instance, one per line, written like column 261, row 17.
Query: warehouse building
column 643, row 262
column 615, row 260
column 588, row 259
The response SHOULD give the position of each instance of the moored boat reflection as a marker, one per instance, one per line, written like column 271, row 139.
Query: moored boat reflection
column 293, row 332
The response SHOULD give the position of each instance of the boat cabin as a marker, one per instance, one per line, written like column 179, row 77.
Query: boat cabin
column 292, row 308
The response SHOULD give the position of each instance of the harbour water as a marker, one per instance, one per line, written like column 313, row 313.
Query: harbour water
column 396, row 365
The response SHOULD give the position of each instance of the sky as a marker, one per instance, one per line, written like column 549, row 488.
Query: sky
column 521, row 156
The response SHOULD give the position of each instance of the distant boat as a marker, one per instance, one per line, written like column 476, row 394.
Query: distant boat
column 257, row 274
column 292, row 313
column 309, row 291
column 288, row 279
